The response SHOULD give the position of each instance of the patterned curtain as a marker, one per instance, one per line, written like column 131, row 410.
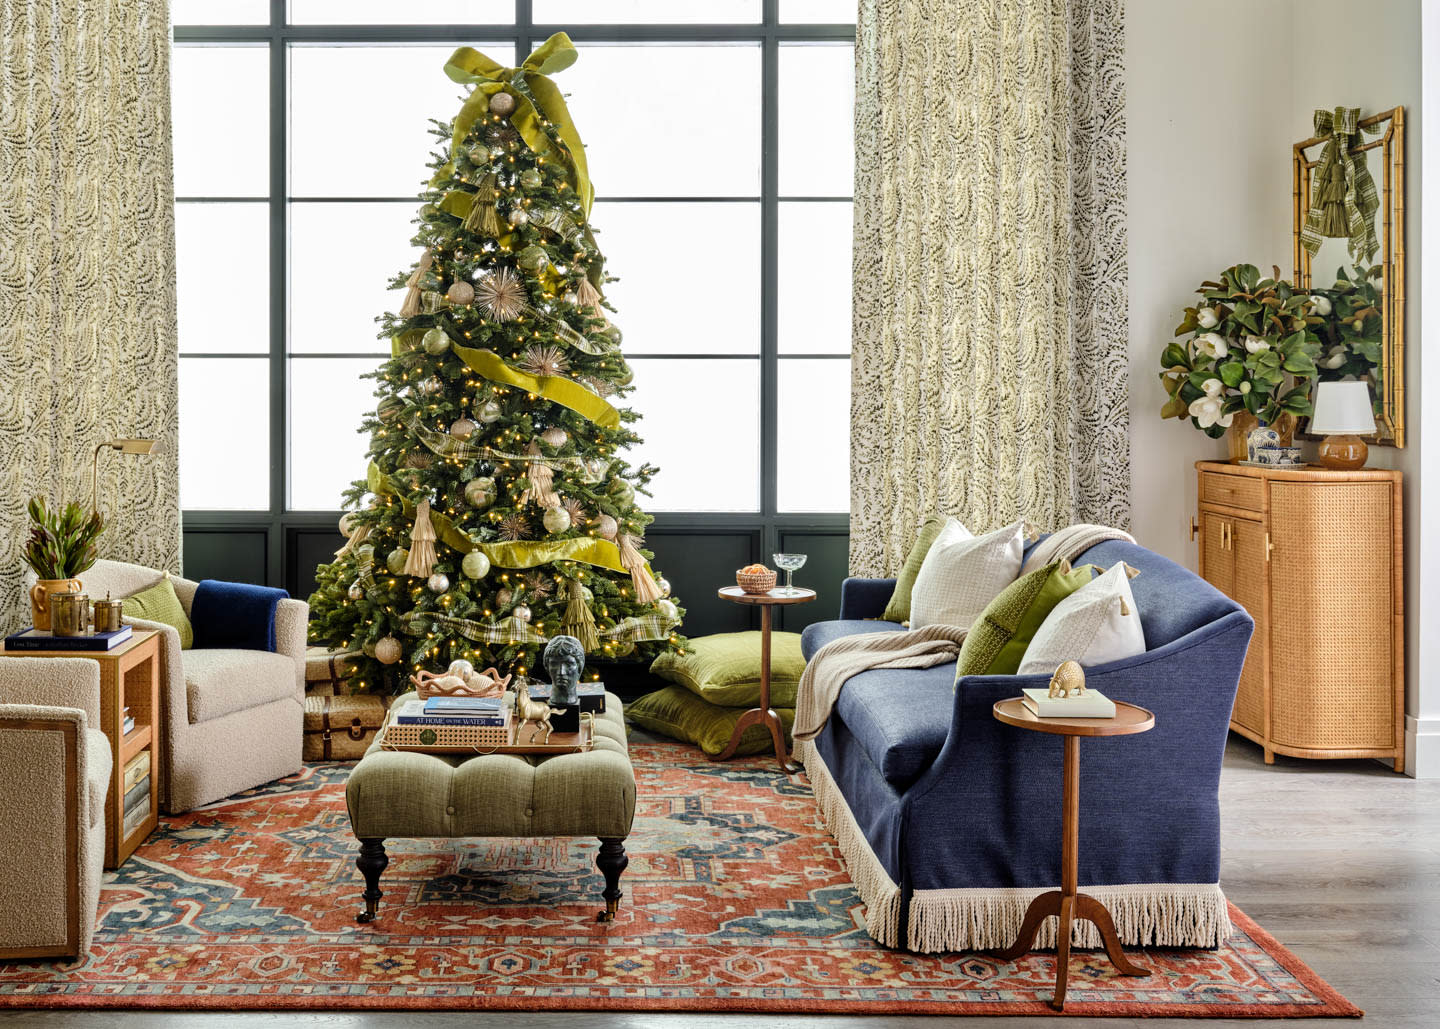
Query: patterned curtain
column 990, row 323
column 87, row 273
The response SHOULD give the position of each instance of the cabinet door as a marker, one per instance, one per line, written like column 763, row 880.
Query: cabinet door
column 1250, row 589
column 1217, row 567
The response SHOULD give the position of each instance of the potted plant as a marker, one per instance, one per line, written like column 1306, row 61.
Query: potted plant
column 1250, row 353
column 61, row 546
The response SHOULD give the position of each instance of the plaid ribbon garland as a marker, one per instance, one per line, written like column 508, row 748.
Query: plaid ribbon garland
column 639, row 629
column 442, row 444
column 1343, row 200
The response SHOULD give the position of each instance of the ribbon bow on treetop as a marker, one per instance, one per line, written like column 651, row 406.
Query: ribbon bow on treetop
column 1342, row 193
column 537, row 101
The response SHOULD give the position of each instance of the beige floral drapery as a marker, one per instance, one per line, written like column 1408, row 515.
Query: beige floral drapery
column 87, row 272
column 990, row 325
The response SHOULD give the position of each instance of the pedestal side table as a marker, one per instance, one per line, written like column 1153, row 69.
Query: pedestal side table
column 764, row 714
column 1068, row 903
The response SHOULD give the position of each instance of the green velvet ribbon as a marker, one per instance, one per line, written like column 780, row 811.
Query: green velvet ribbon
column 1343, row 200
column 530, row 81
column 563, row 391
column 518, row 554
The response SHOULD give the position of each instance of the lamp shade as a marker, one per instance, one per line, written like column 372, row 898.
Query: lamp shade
column 1342, row 408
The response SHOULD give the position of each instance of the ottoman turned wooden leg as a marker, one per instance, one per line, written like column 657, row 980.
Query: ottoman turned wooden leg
column 611, row 861
column 371, row 862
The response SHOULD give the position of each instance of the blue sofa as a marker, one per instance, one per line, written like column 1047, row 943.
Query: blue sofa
column 949, row 820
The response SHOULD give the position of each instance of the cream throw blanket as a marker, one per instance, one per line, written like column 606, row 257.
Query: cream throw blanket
column 833, row 665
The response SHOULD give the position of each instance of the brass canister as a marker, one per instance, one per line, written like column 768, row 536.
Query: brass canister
column 107, row 615
column 69, row 613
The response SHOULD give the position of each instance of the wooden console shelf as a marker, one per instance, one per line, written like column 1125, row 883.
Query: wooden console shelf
column 1316, row 558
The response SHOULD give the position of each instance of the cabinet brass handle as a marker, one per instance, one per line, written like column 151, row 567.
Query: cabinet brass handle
column 1194, row 529
column 1268, row 546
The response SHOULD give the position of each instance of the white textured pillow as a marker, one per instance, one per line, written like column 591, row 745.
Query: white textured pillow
column 1096, row 624
column 962, row 573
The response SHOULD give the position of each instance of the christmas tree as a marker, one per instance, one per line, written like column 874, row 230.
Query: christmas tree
column 498, row 510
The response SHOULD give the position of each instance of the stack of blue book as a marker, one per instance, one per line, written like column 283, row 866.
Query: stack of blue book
column 482, row 711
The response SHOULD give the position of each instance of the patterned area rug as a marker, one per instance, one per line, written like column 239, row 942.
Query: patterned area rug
column 735, row 900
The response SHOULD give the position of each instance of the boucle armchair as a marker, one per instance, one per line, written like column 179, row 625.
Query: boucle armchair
column 231, row 719
column 56, row 771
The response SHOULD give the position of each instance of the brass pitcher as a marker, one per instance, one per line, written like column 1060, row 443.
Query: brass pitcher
column 69, row 613
column 107, row 614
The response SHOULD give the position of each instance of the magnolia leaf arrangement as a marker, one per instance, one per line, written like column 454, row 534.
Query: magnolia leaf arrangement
column 1351, row 329
column 1252, row 347
column 62, row 543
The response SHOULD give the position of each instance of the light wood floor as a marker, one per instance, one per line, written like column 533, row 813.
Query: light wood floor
column 1339, row 860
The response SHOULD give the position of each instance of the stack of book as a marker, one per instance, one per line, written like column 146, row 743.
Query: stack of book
column 445, row 722
column 127, row 722
column 137, row 792
column 38, row 639
column 1090, row 704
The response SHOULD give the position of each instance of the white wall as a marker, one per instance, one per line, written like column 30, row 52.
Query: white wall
column 1211, row 115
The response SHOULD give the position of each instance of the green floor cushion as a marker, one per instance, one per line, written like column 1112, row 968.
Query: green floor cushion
column 681, row 715
column 725, row 668
column 898, row 609
column 997, row 640
column 160, row 604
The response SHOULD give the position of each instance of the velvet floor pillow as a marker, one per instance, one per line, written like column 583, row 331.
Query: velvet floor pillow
column 681, row 715
column 724, row 669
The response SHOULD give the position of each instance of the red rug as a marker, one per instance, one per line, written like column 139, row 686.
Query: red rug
column 735, row 901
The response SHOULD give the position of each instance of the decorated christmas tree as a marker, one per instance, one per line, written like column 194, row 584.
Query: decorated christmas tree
column 498, row 509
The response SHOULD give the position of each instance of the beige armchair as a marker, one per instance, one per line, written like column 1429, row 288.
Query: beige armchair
column 231, row 719
column 56, row 771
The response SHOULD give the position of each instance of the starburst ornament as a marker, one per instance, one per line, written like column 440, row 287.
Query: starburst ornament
column 572, row 507
column 501, row 294
column 544, row 360
column 513, row 527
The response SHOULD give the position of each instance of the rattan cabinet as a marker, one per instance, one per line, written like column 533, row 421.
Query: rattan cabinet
column 1316, row 557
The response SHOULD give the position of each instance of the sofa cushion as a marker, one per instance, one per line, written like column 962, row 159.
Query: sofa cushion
column 1095, row 625
column 97, row 774
column 725, row 668
column 962, row 573
column 1173, row 601
column 898, row 609
column 997, row 641
column 220, row 682
column 900, row 716
column 160, row 604
column 817, row 634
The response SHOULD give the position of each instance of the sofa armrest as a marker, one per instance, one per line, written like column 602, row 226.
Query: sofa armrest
column 58, row 682
column 1008, row 779
column 43, row 783
column 291, row 618
column 864, row 598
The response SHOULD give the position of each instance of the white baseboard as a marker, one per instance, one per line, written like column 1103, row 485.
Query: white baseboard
column 1422, row 747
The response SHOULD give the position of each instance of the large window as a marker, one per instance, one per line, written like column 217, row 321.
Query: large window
column 719, row 140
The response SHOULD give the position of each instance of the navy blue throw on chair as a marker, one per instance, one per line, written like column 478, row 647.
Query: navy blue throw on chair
column 234, row 615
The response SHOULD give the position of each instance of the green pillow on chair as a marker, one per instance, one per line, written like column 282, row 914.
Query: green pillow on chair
column 725, row 668
column 679, row 714
column 997, row 640
column 898, row 610
column 160, row 604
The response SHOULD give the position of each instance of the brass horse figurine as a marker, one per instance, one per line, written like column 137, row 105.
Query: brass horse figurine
column 537, row 712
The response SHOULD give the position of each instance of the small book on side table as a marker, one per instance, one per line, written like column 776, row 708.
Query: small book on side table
column 1090, row 704
column 37, row 639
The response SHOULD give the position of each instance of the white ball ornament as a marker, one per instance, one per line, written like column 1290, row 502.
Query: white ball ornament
column 396, row 559
column 668, row 610
column 488, row 412
column 531, row 178
column 502, row 104
column 480, row 493
column 347, row 524
column 664, row 585
column 462, row 428
column 438, row 582
column 605, row 526
column 460, row 667
column 517, row 217
column 435, row 341
column 355, row 592
column 387, row 650
column 475, row 564
column 556, row 519
column 554, row 437
column 522, row 613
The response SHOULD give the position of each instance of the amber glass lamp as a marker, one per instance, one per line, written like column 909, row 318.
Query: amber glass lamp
column 1342, row 414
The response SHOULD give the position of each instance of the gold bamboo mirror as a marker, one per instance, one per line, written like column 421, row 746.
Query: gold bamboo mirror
column 1350, row 249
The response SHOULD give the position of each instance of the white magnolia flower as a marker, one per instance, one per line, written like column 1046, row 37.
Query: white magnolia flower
column 1321, row 304
column 1244, row 388
column 1206, row 411
column 1334, row 360
column 1255, row 344
column 1207, row 318
column 1213, row 387
column 1212, row 344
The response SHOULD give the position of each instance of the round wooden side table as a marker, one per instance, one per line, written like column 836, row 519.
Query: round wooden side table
column 1067, row 902
column 764, row 714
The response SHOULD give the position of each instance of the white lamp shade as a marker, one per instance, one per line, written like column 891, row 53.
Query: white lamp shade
column 1342, row 408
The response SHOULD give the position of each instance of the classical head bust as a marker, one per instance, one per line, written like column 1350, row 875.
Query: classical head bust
column 564, row 659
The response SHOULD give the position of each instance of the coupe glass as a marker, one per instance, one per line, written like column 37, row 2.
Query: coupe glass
column 790, row 563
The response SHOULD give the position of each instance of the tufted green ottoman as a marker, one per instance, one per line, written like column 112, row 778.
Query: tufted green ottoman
column 407, row 794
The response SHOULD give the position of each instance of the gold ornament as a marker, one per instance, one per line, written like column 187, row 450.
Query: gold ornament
column 488, row 412
column 438, row 582
column 387, row 650
column 502, row 295
column 475, row 565
column 480, row 493
column 544, row 360
column 504, row 598
column 396, row 559
column 462, row 428
column 460, row 293
column 517, row 217
column 571, row 506
column 605, row 526
column 355, row 592
column 502, row 104
column 418, row 459
column 513, row 527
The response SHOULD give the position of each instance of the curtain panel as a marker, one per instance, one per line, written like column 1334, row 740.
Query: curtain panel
column 989, row 369
column 87, row 273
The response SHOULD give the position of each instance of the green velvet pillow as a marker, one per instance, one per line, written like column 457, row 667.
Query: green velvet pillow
column 160, row 604
column 996, row 642
column 898, row 610
column 725, row 668
column 679, row 714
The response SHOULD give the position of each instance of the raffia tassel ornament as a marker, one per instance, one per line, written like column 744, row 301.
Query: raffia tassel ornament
column 411, row 307
column 646, row 592
column 483, row 217
column 542, row 476
column 586, row 295
column 356, row 538
column 579, row 621
column 422, row 543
